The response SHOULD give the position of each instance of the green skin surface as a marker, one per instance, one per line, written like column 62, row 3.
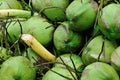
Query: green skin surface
column 40, row 28
column 4, row 5
column 36, row 4
column 17, row 68
column 55, row 14
column 65, row 40
column 99, row 71
column 115, row 58
column 8, row 4
column 84, row 1
column 81, row 15
column 109, row 21
column 52, row 9
column 73, row 61
column 50, row 75
column 94, row 48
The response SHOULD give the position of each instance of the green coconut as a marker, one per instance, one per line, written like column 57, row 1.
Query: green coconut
column 52, row 9
column 98, row 49
column 81, row 14
column 65, row 40
column 109, row 21
column 40, row 28
column 37, row 26
column 17, row 68
column 8, row 4
column 115, row 58
column 72, row 61
column 99, row 71
column 57, row 73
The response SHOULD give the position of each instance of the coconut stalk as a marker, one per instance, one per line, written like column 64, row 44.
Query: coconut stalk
column 38, row 47
column 14, row 13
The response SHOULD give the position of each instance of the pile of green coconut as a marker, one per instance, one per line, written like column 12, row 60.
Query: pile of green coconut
column 59, row 40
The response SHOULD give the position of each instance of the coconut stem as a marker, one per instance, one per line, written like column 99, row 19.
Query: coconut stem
column 37, row 47
column 14, row 13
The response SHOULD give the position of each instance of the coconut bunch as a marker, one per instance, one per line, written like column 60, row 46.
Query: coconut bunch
column 59, row 39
